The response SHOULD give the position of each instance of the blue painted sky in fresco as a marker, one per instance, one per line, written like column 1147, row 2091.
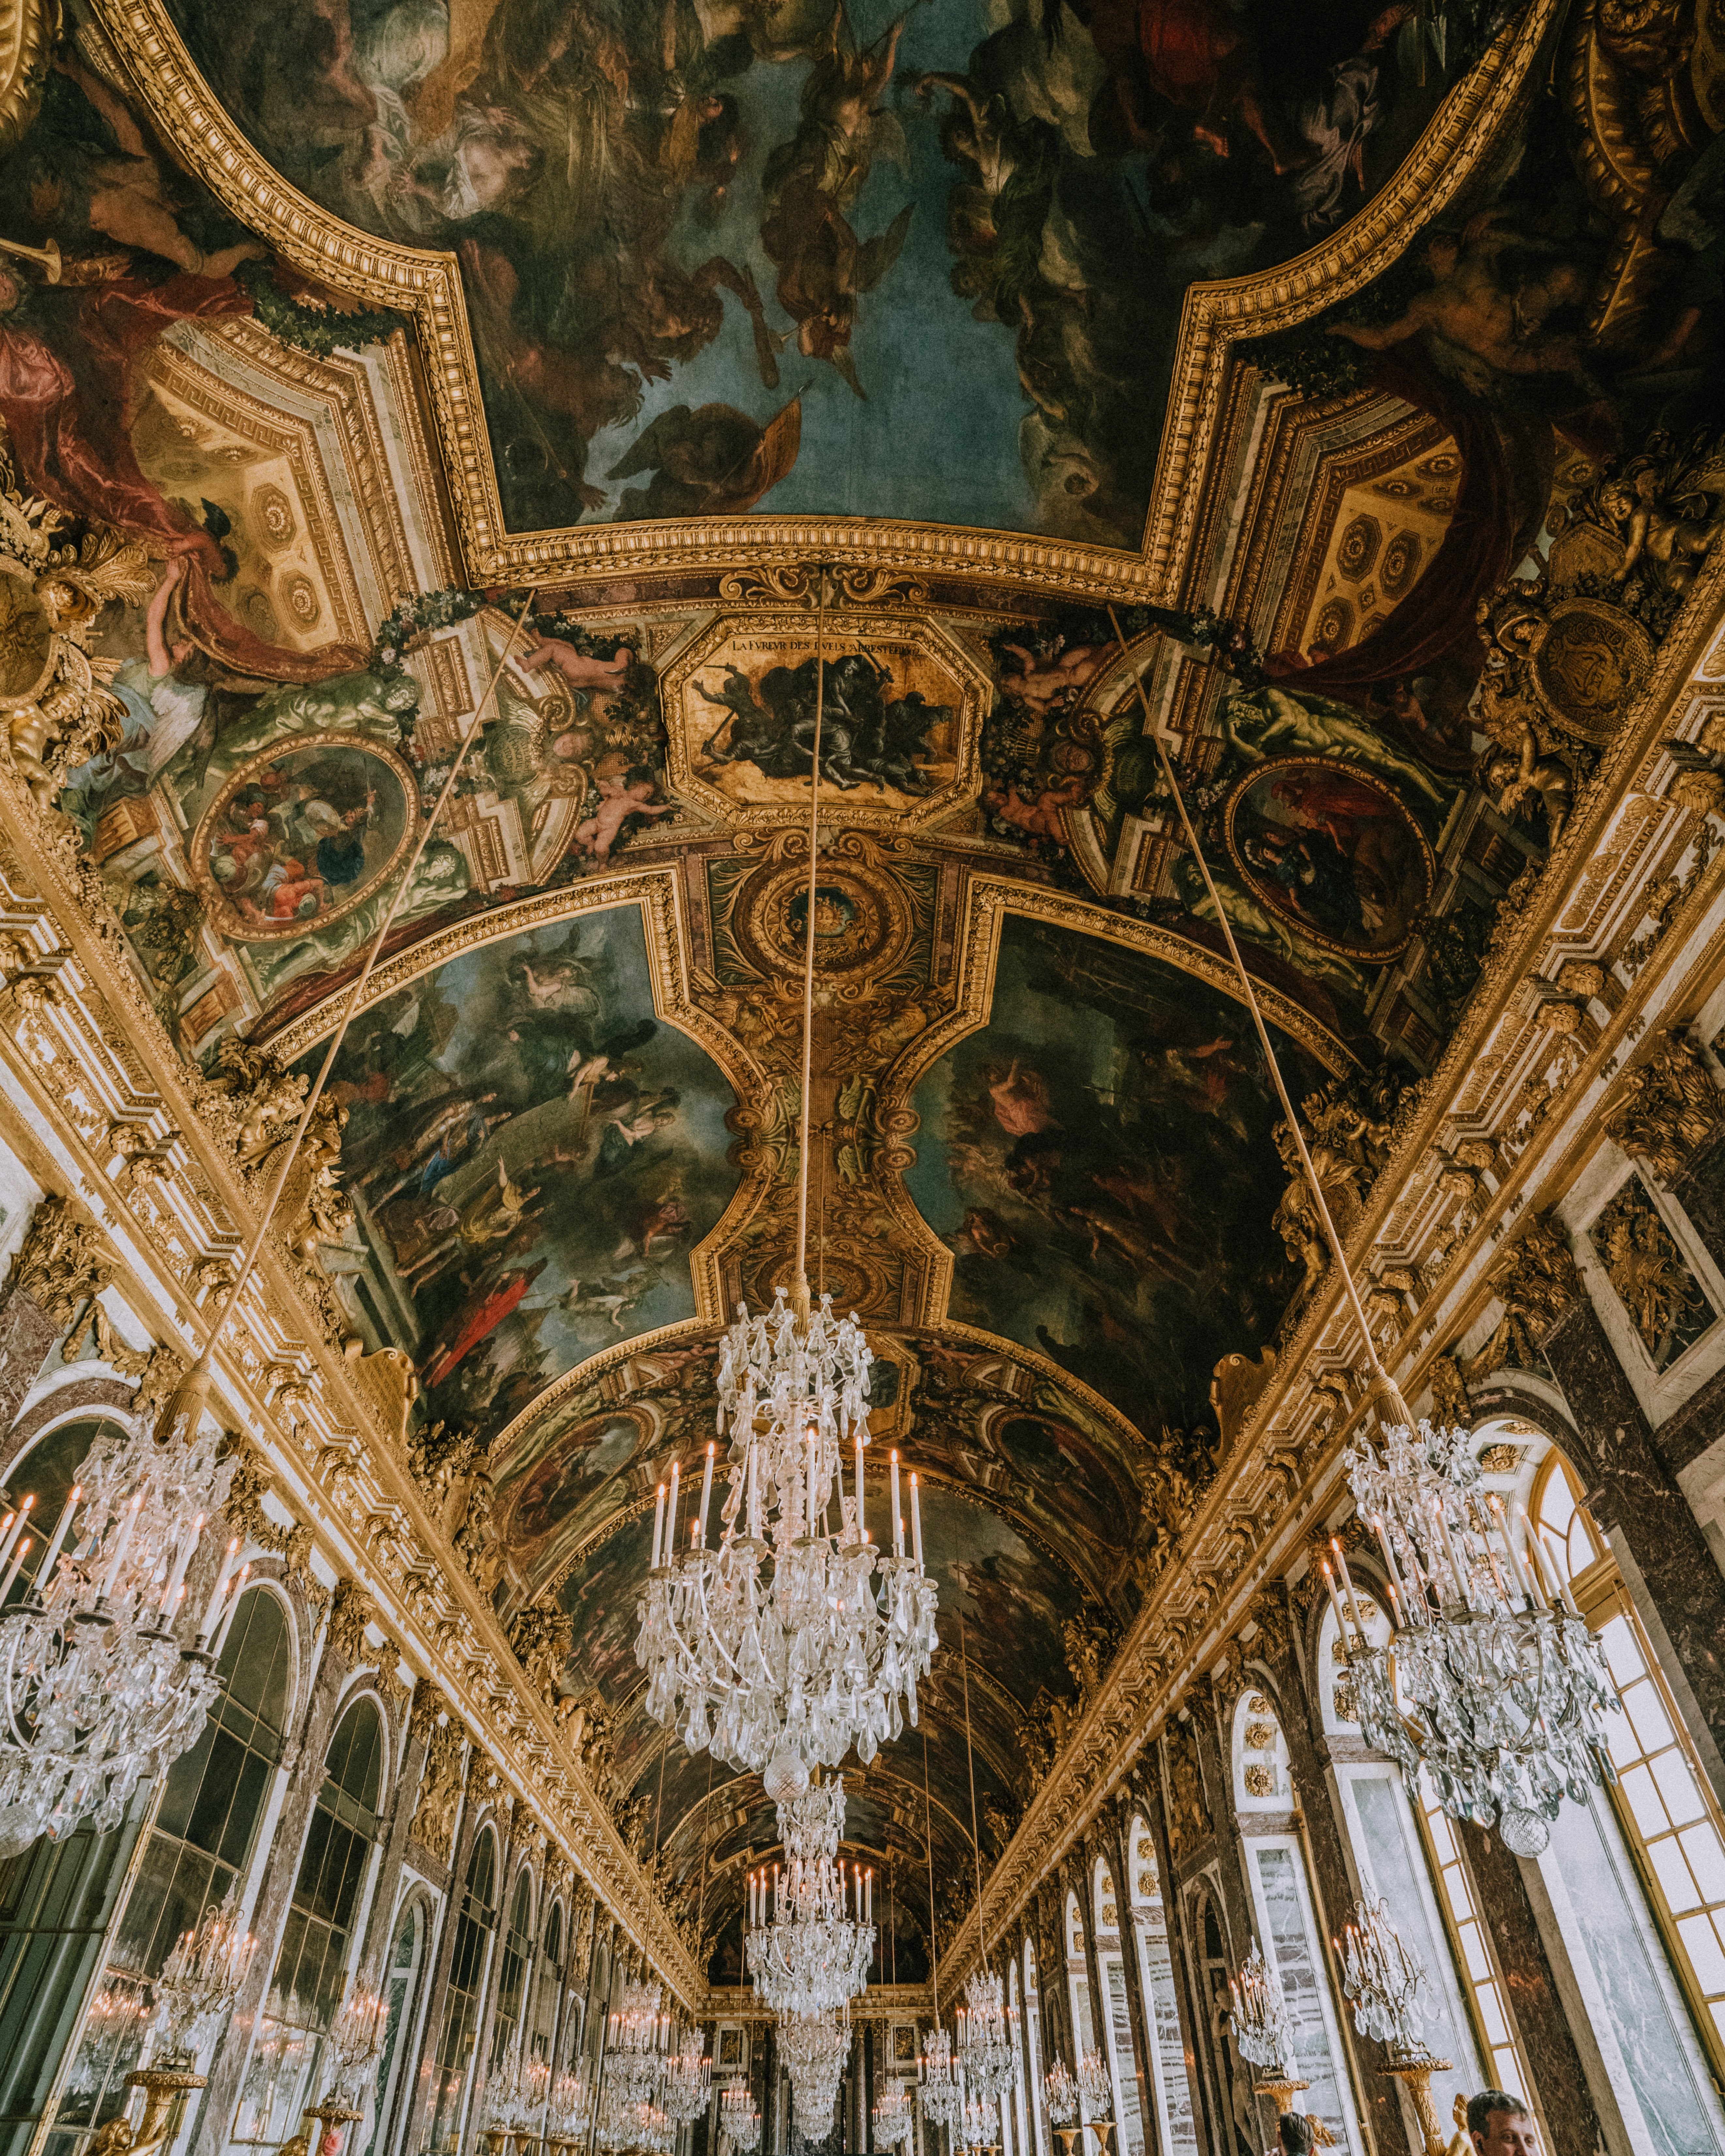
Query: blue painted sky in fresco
column 915, row 448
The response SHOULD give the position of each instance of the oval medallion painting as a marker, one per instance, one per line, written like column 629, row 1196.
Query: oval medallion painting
column 303, row 836
column 1332, row 850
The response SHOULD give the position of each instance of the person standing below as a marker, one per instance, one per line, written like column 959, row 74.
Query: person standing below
column 1500, row 2124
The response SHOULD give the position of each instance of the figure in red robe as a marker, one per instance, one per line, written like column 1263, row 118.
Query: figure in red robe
column 483, row 1319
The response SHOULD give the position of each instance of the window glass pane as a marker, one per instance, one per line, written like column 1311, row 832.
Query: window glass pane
column 1301, row 1970
column 1391, row 1864
column 1660, row 2070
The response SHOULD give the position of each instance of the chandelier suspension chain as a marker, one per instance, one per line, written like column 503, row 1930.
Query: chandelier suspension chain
column 1381, row 1377
column 801, row 1287
column 186, row 1400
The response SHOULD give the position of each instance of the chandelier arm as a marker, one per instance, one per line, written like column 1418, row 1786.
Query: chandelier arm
column 1384, row 1386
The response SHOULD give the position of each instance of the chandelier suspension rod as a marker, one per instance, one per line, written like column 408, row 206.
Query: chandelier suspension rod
column 934, row 1952
column 1383, row 1391
column 976, row 1846
column 188, row 1399
column 800, row 1290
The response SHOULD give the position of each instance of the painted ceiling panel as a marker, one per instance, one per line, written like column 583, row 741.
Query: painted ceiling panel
column 713, row 258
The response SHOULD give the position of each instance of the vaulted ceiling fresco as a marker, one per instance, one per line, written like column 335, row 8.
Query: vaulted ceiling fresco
column 1328, row 399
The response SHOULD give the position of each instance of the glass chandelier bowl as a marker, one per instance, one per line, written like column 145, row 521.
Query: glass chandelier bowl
column 199, row 1982
column 796, row 1637
column 102, row 1684
column 1491, row 1665
column 988, row 2036
column 810, row 1936
column 1061, row 2092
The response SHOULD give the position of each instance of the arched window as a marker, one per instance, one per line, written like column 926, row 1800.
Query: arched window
column 1176, row 2126
column 1117, row 2012
column 1033, row 2046
column 1285, row 1920
column 320, row 1937
column 400, row 2010
column 1637, row 1878
column 55, row 1899
column 548, row 1993
column 1083, row 2033
column 474, row 1924
column 512, row 1972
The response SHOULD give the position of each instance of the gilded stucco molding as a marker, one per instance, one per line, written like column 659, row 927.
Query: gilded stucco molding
column 426, row 284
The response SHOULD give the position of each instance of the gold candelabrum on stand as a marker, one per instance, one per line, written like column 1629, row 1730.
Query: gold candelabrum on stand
column 1416, row 2070
column 199, row 1982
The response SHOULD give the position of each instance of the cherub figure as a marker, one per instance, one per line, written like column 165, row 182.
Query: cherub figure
column 618, row 800
column 1657, row 531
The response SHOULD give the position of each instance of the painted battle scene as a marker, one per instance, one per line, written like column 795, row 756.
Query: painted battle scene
column 1095, row 1158
column 722, row 255
column 888, row 723
column 532, row 1156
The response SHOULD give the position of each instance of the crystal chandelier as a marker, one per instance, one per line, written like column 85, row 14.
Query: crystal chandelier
column 102, row 1685
column 811, row 1933
column 988, row 2036
column 688, row 2079
column 796, row 1637
column 1059, row 2091
column 199, row 1982
column 355, row 2041
column 1384, row 1982
column 570, row 2112
column 739, row 2117
column 893, row 2117
column 979, row 2128
column 942, row 2081
column 635, row 2043
column 1505, row 1686
column 1096, row 2084
column 815, row 2047
column 1262, row 2027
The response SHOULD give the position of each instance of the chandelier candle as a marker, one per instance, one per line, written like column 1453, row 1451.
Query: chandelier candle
column 12, row 1570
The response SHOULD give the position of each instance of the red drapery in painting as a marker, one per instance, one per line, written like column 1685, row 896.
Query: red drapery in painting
column 71, row 438
column 1500, row 475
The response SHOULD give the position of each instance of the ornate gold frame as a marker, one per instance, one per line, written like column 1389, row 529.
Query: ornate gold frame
column 1214, row 317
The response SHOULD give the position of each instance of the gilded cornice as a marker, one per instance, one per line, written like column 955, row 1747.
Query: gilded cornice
column 426, row 284
column 1283, row 1471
